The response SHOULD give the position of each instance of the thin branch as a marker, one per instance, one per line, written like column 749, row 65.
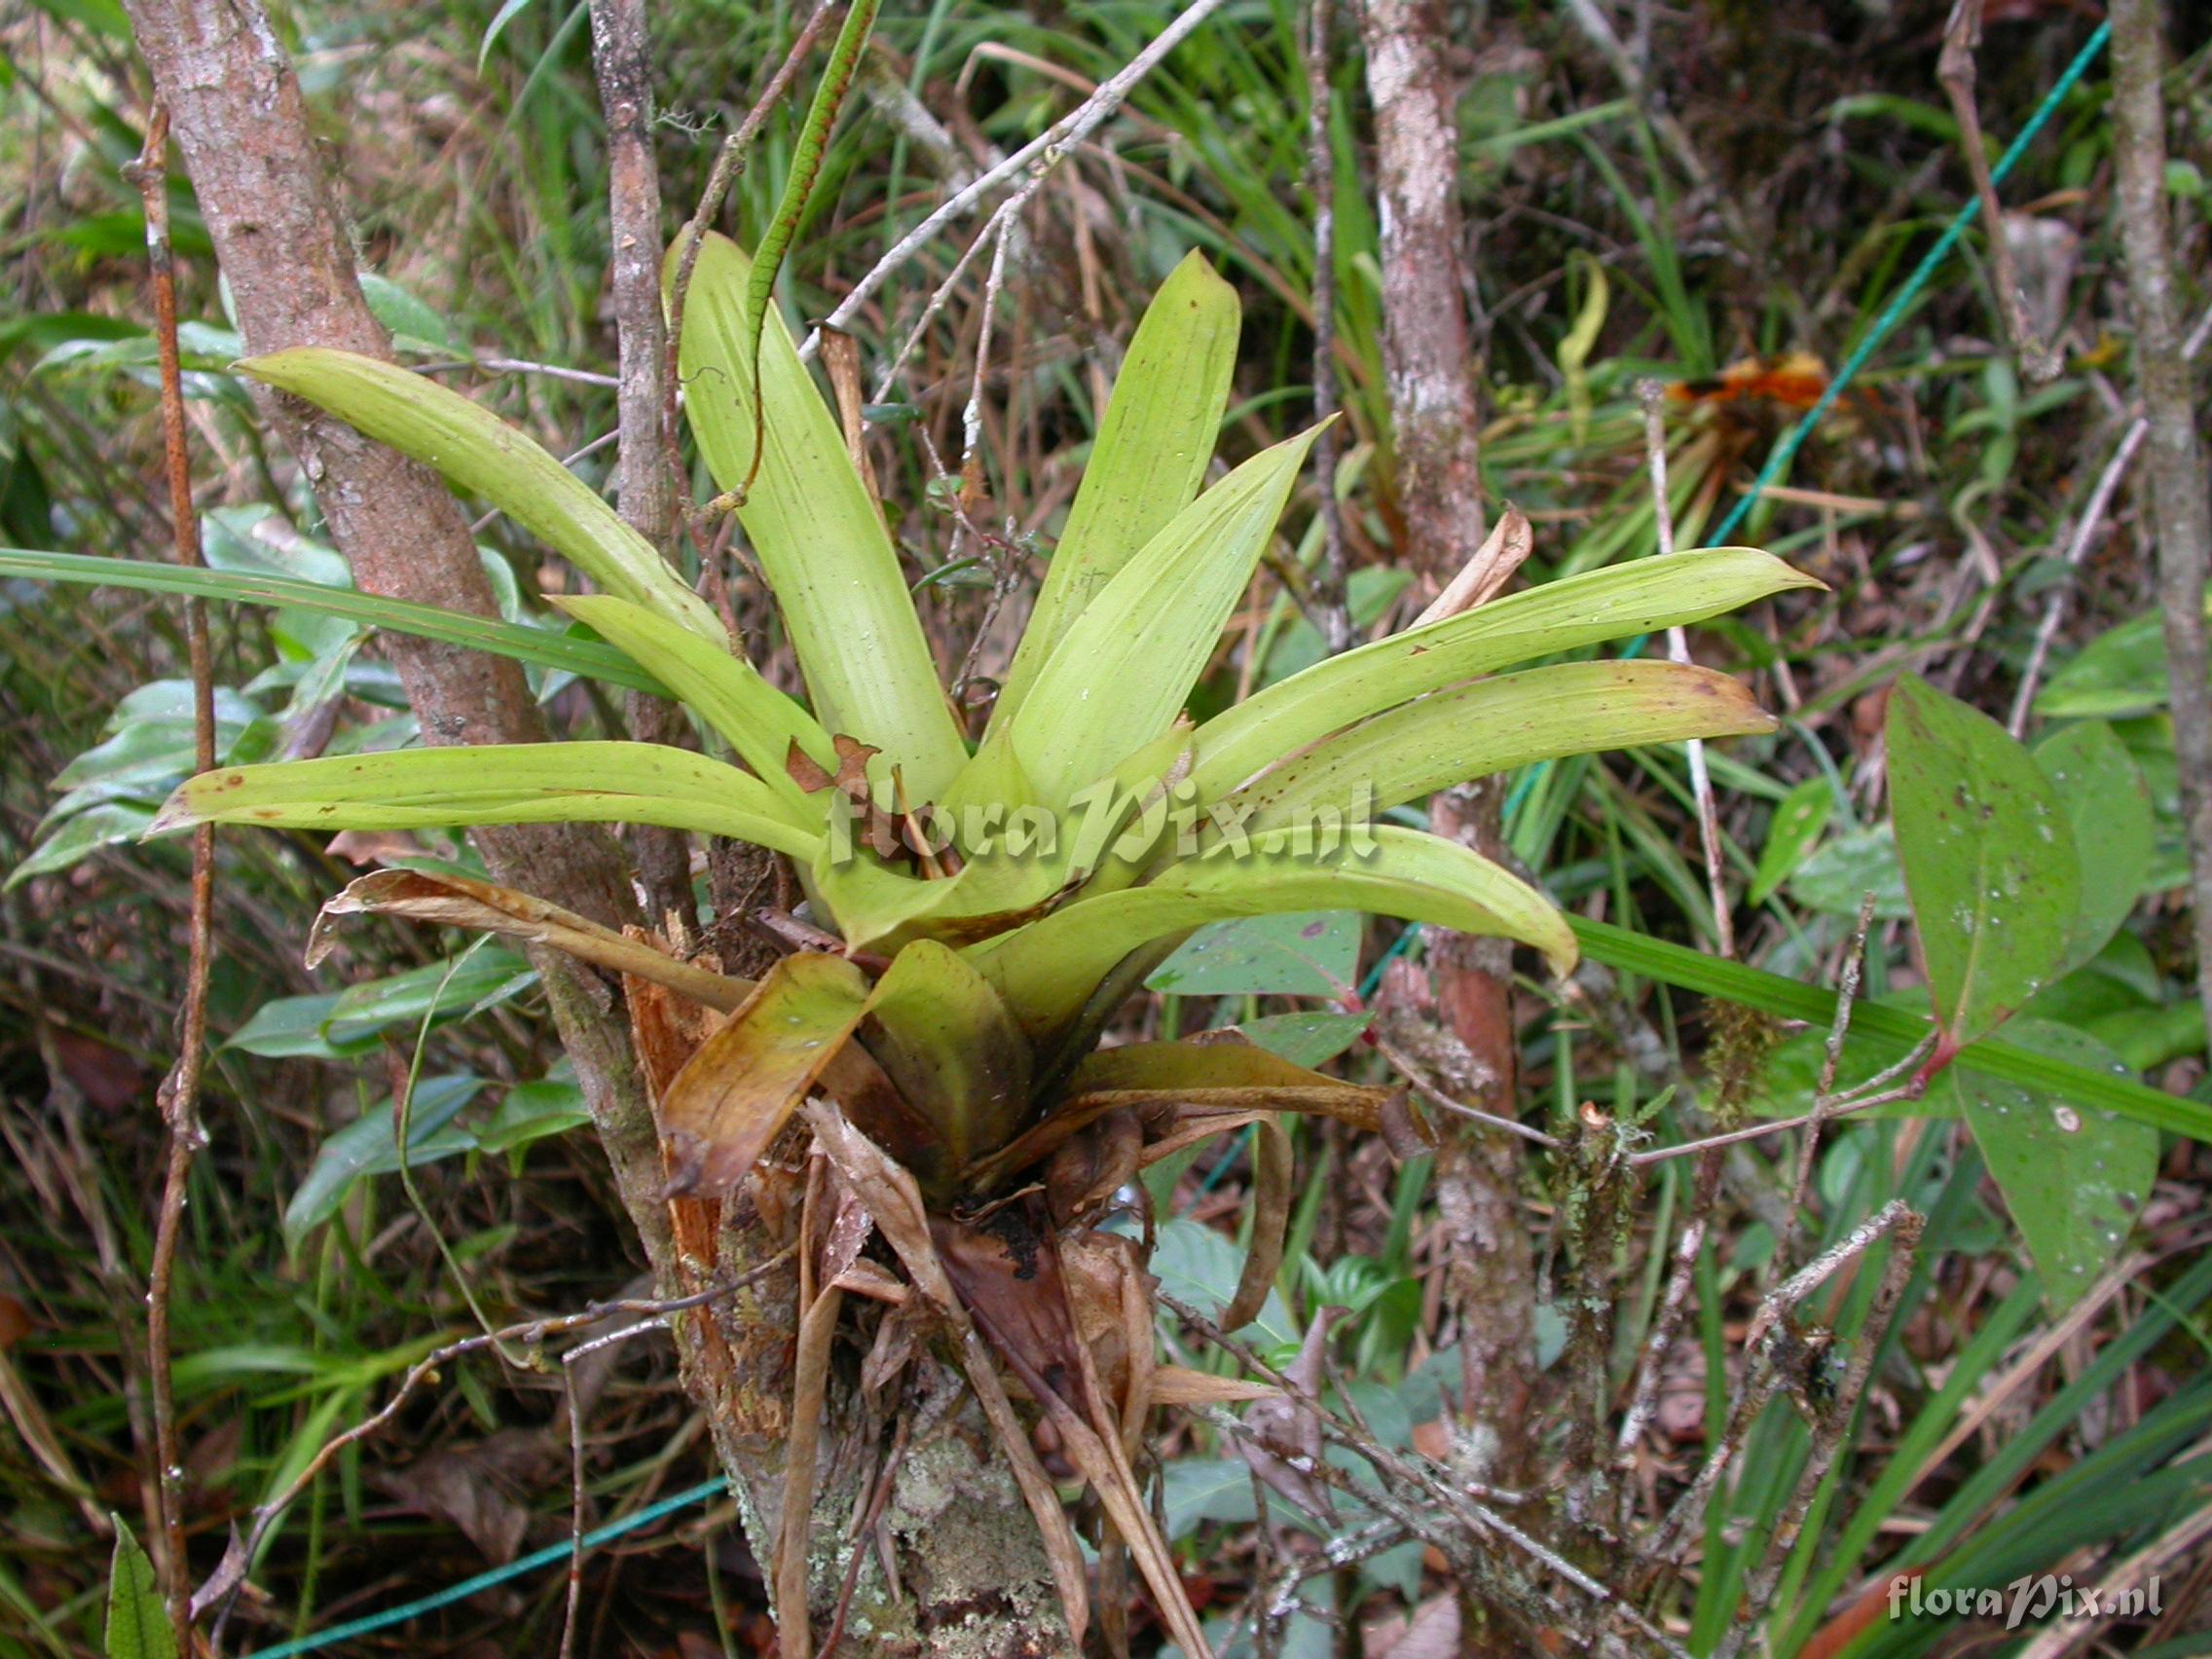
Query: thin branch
column 1410, row 1069
column 2084, row 536
column 1331, row 604
column 1651, row 393
column 1045, row 150
column 1955, row 68
column 180, row 1090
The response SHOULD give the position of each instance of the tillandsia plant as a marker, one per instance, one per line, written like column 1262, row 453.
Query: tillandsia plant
column 978, row 909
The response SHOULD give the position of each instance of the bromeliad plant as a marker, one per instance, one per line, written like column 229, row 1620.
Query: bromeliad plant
column 986, row 908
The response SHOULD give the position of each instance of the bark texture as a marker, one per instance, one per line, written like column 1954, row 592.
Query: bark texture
column 972, row 1578
column 239, row 119
column 645, row 481
column 2175, row 462
column 1429, row 371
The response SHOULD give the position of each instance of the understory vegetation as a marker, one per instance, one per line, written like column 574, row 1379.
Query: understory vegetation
column 1392, row 859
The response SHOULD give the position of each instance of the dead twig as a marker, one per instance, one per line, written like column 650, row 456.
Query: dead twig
column 180, row 1090
column 1332, row 608
column 1955, row 68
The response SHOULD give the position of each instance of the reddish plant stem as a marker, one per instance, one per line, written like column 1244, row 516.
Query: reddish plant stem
column 180, row 1090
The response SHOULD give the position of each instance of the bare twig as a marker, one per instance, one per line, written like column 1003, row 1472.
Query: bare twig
column 180, row 1090
column 1329, row 590
column 730, row 163
column 1651, row 393
column 1955, row 68
column 2183, row 515
column 659, row 1322
column 1411, row 1070
column 1045, row 150
column 1823, row 1091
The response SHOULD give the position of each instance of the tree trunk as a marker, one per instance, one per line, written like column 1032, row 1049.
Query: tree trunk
column 972, row 1575
column 2176, row 459
column 1429, row 370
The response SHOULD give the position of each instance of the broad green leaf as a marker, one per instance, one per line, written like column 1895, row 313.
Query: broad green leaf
column 1306, row 1039
column 403, row 314
column 1048, row 970
column 289, row 1028
column 2108, row 805
column 1124, row 668
column 137, row 1619
column 1837, row 878
column 495, row 783
column 733, row 1098
column 1639, row 598
column 532, row 1112
column 2075, row 1176
column 819, row 537
column 478, row 452
column 369, row 1146
column 1798, row 819
column 481, row 978
column 1197, row 1266
column 2118, row 674
column 1988, row 859
column 83, row 833
column 1148, row 461
column 1494, row 724
column 536, row 646
column 946, row 1039
column 1308, row 955
column 723, row 689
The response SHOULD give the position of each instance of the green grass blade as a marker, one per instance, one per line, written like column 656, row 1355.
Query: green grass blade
column 491, row 782
column 1894, row 1030
column 478, row 452
column 817, row 534
column 536, row 646
column 1644, row 597
column 1150, row 458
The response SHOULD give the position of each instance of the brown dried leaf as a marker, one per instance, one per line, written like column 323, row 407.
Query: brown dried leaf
column 1485, row 575
column 804, row 770
column 1271, row 1169
column 455, row 901
column 1093, row 1166
column 737, row 1093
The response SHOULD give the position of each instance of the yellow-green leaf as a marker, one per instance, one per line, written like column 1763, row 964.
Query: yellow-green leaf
column 1125, row 667
column 1149, row 460
column 1048, row 970
column 724, row 691
column 480, row 452
column 1645, row 597
column 514, row 783
column 944, row 1037
column 1493, row 725
column 819, row 537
